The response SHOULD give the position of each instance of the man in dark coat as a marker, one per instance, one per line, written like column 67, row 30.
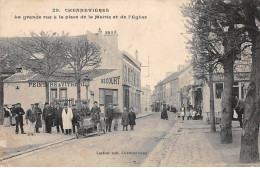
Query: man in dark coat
column 52, row 107
column 85, row 110
column 58, row 118
column 96, row 112
column 48, row 117
column 109, row 114
column 75, row 119
column 240, row 108
column 19, row 112
column 38, row 113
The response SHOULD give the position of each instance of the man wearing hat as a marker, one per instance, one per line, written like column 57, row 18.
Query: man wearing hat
column 96, row 114
column 19, row 112
column 109, row 114
column 48, row 117
column 58, row 118
column 67, row 116
column 76, row 118
column 31, row 117
column 38, row 113
column 85, row 110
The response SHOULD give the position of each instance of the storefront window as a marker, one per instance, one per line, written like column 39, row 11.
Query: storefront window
column 219, row 90
column 115, row 97
column 63, row 93
column 53, row 94
column 107, row 96
column 101, row 96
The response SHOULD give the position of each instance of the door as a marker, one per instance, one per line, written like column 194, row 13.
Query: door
column 108, row 99
column 126, row 98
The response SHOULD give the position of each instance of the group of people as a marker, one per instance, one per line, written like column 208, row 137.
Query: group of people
column 65, row 119
column 190, row 112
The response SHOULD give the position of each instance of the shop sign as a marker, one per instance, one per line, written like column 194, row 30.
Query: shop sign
column 55, row 84
column 111, row 80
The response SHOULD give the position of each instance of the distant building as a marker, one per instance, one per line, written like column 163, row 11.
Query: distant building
column 182, row 87
column 146, row 98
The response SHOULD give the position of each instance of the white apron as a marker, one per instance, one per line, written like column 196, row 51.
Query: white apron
column 67, row 118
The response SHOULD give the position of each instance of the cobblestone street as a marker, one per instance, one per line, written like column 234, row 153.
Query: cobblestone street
column 191, row 144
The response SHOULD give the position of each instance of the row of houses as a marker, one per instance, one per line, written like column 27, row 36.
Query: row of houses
column 182, row 88
column 117, row 80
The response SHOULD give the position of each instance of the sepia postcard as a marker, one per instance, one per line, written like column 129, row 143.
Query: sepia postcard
column 129, row 83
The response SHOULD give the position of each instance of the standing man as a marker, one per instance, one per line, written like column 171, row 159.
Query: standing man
column 52, row 107
column 96, row 115
column 58, row 118
column 48, row 117
column 76, row 118
column 109, row 114
column 38, row 113
column 31, row 117
column 19, row 112
column 85, row 110
column 67, row 116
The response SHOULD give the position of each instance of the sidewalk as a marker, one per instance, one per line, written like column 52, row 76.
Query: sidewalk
column 12, row 144
column 191, row 144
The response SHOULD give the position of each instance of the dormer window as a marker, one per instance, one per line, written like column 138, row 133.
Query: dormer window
column 19, row 70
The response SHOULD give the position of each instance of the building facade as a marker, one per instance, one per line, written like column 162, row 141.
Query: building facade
column 117, row 80
column 146, row 98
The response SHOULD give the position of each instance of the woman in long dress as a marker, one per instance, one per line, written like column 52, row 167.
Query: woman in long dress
column 164, row 114
column 7, row 114
column 132, row 117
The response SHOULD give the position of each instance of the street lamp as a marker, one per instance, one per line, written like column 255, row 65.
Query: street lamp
column 86, row 80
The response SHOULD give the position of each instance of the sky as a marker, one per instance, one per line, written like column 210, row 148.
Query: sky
column 160, row 36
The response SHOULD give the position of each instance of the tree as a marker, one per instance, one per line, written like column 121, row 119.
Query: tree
column 249, row 151
column 221, row 18
column 7, row 65
column 81, row 55
column 41, row 53
column 203, row 53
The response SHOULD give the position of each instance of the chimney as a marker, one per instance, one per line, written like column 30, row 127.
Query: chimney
column 136, row 54
column 112, row 38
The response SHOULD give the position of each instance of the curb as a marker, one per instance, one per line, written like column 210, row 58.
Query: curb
column 147, row 115
column 35, row 149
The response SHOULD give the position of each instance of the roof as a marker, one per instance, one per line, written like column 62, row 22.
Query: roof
column 173, row 76
column 64, row 76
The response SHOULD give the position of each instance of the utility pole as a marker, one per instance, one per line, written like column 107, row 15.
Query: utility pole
column 147, row 66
